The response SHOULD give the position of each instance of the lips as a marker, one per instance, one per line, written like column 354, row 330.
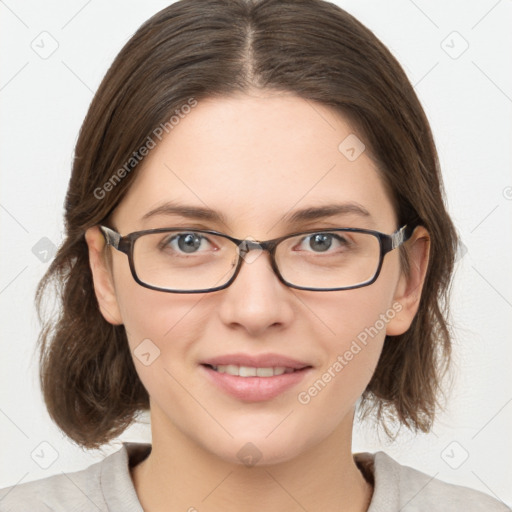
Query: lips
column 254, row 378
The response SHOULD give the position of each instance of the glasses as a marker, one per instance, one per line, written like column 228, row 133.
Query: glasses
column 182, row 260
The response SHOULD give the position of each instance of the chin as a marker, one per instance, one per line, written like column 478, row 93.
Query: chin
column 258, row 449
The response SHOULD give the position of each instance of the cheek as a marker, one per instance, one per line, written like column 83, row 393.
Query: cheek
column 340, row 316
column 161, row 329
column 352, row 336
column 148, row 313
column 361, row 314
column 158, row 324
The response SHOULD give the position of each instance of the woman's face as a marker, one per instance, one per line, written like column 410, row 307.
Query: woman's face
column 255, row 160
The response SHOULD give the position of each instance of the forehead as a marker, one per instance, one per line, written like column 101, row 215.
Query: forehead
column 256, row 159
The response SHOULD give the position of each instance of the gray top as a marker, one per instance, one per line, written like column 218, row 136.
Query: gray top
column 107, row 486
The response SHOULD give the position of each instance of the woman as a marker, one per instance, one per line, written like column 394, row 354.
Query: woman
column 256, row 242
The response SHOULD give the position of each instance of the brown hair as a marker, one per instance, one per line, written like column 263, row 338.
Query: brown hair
column 207, row 48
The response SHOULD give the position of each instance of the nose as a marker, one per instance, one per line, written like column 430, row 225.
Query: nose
column 257, row 299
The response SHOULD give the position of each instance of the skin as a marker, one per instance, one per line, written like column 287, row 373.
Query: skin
column 254, row 157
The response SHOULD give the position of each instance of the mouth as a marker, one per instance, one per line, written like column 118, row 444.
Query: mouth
column 254, row 378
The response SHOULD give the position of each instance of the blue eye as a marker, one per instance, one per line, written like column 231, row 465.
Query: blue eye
column 322, row 242
column 188, row 243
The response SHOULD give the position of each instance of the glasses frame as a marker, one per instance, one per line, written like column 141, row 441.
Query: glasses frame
column 126, row 243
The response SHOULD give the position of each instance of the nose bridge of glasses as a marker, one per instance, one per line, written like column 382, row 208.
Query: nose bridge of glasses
column 251, row 245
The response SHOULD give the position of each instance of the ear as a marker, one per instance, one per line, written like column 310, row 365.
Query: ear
column 102, row 276
column 407, row 295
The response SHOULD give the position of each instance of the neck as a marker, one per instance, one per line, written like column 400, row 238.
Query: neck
column 180, row 475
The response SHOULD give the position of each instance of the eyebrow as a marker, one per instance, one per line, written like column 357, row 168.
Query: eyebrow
column 305, row 214
column 329, row 210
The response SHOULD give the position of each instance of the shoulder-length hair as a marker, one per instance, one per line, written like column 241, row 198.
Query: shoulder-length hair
column 196, row 49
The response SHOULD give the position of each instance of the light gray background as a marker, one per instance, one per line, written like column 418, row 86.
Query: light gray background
column 467, row 96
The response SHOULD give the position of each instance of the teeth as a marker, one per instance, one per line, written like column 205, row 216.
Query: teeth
column 248, row 371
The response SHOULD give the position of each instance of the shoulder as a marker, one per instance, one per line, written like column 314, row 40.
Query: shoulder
column 411, row 490
column 94, row 488
column 64, row 491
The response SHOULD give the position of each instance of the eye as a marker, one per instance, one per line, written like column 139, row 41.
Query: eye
column 322, row 242
column 188, row 243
